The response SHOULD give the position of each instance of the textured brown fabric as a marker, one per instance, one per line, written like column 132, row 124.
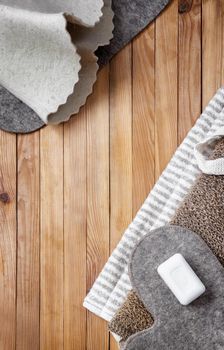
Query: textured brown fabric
column 202, row 211
column 131, row 317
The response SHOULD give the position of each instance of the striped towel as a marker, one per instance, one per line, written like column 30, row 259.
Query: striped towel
column 112, row 286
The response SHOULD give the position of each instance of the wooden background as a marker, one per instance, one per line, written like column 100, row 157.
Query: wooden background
column 68, row 192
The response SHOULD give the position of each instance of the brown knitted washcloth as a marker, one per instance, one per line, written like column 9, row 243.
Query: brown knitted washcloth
column 133, row 309
column 202, row 211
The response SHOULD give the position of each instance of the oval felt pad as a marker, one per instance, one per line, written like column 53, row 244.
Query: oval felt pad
column 199, row 325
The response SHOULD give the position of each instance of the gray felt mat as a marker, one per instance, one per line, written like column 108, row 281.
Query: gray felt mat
column 199, row 325
column 16, row 116
column 130, row 18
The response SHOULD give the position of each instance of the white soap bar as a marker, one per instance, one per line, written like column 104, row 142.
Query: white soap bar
column 181, row 279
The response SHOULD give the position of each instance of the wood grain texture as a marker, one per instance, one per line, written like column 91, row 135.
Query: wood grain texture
column 166, row 89
column 120, row 144
column 75, row 231
column 213, row 48
column 189, row 77
column 68, row 192
column 28, row 250
column 8, row 240
column 120, row 148
column 97, row 110
column 143, row 115
column 52, row 242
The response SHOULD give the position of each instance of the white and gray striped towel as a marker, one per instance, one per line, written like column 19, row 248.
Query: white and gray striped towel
column 111, row 287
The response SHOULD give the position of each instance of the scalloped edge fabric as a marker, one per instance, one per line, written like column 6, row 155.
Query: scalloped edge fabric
column 47, row 61
column 86, row 13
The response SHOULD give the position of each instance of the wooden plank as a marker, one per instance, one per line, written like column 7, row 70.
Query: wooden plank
column 7, row 240
column 97, row 198
column 75, row 208
column 120, row 148
column 166, row 86
column 143, row 115
column 28, row 202
column 120, row 144
column 51, row 317
column 189, row 80
column 212, row 48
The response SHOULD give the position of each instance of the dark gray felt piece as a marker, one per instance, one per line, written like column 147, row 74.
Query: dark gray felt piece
column 199, row 325
column 16, row 116
column 130, row 18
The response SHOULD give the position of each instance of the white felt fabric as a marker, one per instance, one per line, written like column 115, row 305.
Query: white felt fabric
column 86, row 41
column 46, row 59
column 38, row 63
column 86, row 12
